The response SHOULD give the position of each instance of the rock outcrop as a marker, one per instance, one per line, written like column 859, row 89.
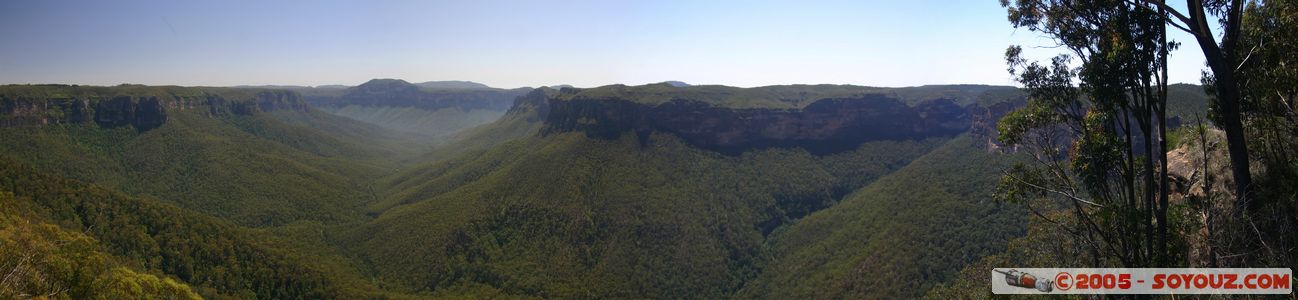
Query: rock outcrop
column 143, row 112
column 984, row 118
column 110, row 107
column 534, row 106
column 1188, row 175
column 822, row 127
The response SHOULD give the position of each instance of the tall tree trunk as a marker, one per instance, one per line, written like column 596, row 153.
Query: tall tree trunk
column 1220, row 60
column 1162, row 178
column 1160, row 112
column 1149, row 184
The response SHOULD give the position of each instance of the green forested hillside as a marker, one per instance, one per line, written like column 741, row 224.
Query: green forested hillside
column 524, row 119
column 371, row 144
column 1186, row 101
column 298, row 173
column 898, row 237
column 438, row 124
column 790, row 96
column 783, row 150
column 42, row 259
column 303, row 203
column 77, row 240
column 254, row 170
column 224, row 152
column 571, row 216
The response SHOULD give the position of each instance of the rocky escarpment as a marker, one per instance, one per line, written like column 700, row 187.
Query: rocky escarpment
column 824, row 126
column 143, row 113
column 116, row 107
column 983, row 128
column 533, row 106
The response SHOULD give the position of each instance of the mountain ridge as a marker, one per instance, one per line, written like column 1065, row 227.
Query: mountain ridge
column 647, row 191
column 141, row 107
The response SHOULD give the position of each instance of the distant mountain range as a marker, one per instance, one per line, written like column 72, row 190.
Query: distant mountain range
column 408, row 191
column 447, row 84
column 452, row 84
column 437, row 109
column 676, row 83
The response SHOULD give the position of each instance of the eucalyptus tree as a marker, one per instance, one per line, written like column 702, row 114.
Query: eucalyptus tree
column 1224, row 59
column 1267, row 75
column 1268, row 80
column 1094, row 127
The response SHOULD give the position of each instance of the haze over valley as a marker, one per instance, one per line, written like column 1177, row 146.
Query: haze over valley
column 299, row 163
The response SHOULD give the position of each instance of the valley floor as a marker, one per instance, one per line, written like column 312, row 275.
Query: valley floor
column 307, row 204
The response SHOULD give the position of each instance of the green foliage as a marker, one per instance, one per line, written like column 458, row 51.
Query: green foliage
column 897, row 237
column 43, row 260
column 345, row 209
column 215, row 257
column 569, row 216
column 351, row 139
column 962, row 94
column 1187, row 102
column 1270, row 86
column 1184, row 135
column 254, row 170
column 1268, row 79
column 523, row 120
column 62, row 91
column 258, row 169
column 1017, row 126
column 122, row 283
column 1097, row 129
column 438, row 124
column 790, row 96
column 1044, row 246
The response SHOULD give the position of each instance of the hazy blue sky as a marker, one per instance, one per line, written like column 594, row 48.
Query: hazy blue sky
column 514, row 43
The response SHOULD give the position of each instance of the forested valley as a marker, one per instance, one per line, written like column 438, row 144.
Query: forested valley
column 255, row 193
column 392, row 189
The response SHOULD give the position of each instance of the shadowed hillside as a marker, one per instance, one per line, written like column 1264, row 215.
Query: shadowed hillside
column 556, row 212
column 897, row 237
column 230, row 153
column 654, row 191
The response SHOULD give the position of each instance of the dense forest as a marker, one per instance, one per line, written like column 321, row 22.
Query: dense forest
column 1126, row 134
column 287, row 203
column 1115, row 181
column 304, row 203
column 456, row 190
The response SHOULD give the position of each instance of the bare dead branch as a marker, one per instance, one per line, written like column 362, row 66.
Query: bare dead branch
column 1053, row 191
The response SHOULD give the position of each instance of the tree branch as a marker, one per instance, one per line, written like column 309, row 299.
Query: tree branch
column 1179, row 16
column 1054, row 191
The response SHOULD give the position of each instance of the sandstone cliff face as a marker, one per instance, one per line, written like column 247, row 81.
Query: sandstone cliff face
column 984, row 119
column 536, row 100
column 144, row 113
column 141, row 112
column 825, row 126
